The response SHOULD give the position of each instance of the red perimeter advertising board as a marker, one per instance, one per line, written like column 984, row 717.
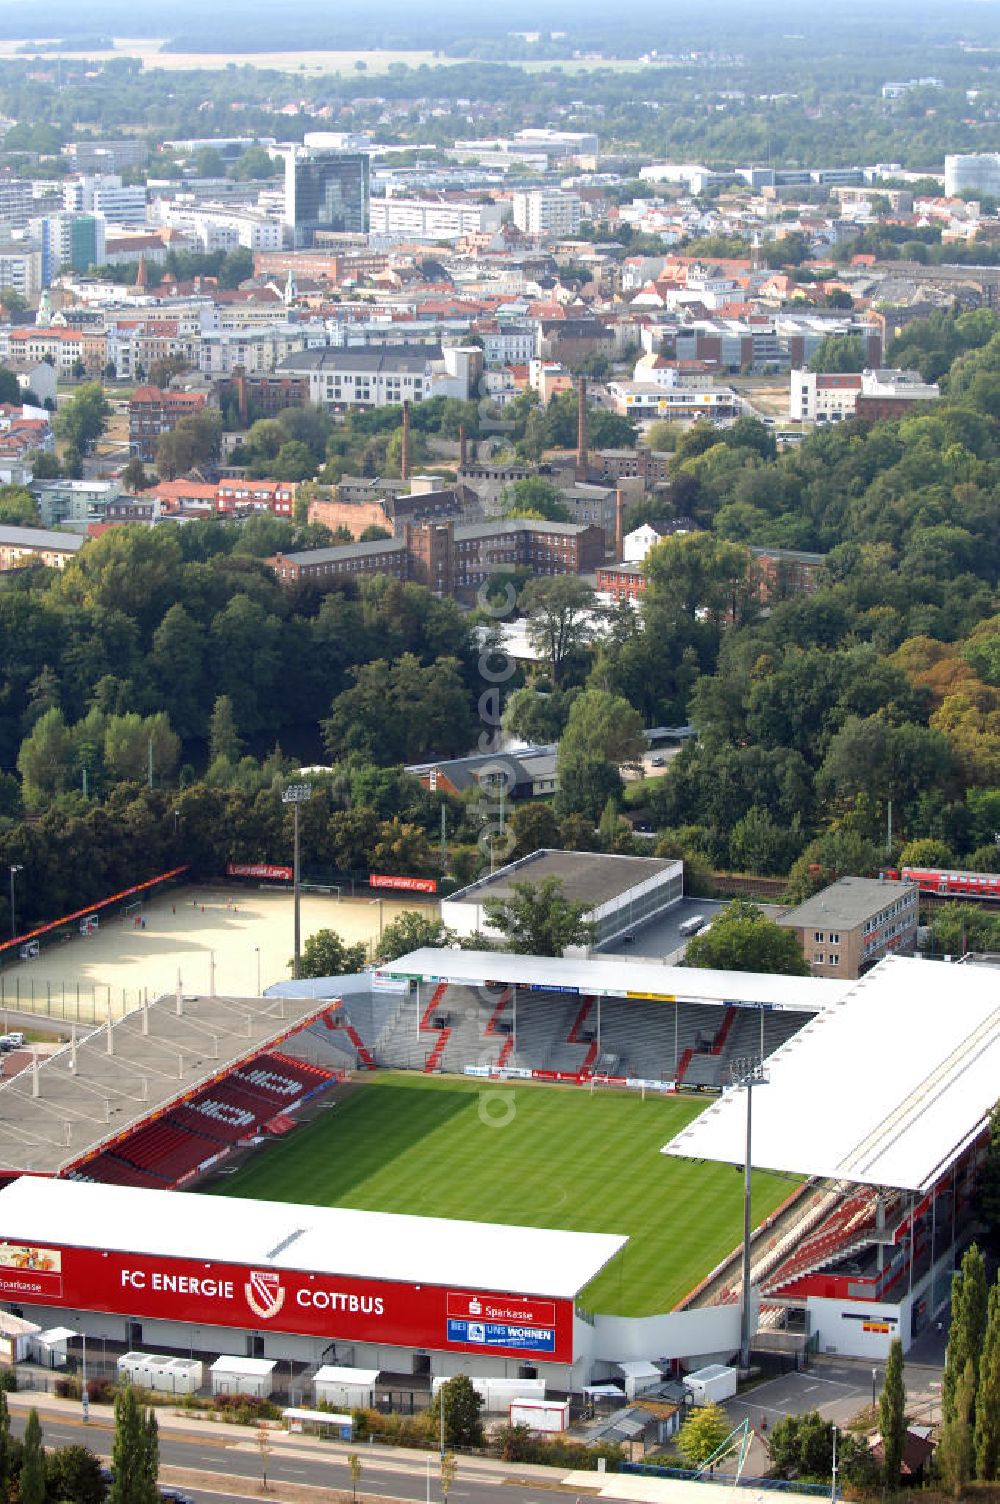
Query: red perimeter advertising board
column 287, row 1300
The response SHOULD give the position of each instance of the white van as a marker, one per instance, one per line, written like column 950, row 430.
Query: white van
column 691, row 926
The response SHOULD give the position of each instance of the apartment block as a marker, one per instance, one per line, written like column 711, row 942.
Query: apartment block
column 547, row 211
column 852, row 924
column 152, row 413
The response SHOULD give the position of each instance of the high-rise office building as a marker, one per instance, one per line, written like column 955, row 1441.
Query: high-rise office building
column 325, row 190
column 72, row 240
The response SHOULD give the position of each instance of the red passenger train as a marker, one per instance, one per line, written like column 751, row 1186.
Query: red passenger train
column 949, row 884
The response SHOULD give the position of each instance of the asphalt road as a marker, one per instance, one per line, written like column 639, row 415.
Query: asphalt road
column 388, row 1477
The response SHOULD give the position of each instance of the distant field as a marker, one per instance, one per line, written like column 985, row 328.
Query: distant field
column 149, row 50
column 401, row 1142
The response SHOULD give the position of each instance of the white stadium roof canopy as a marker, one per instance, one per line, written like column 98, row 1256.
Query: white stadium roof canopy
column 610, row 976
column 324, row 1240
column 887, row 1087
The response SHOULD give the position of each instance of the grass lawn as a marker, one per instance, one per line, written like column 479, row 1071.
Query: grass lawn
column 403, row 1142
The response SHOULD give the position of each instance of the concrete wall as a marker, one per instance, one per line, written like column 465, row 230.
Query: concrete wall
column 703, row 1333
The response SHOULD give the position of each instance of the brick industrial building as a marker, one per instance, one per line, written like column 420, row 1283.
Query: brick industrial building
column 450, row 559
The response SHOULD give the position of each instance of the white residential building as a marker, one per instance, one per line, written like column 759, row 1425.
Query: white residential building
column 216, row 228
column 431, row 218
column 547, row 211
column 17, row 203
column 831, row 397
column 258, row 351
column 387, row 375
column 104, row 193
column 21, row 269
column 507, row 344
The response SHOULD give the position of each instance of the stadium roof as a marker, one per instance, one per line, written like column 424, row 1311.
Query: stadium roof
column 587, row 877
column 887, row 1087
column 327, row 1240
column 88, row 1094
column 610, row 976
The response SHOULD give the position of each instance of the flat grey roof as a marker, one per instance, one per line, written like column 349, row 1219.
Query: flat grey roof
column 848, row 902
column 109, row 1093
column 41, row 537
column 589, row 877
column 346, row 551
column 371, row 358
column 516, row 525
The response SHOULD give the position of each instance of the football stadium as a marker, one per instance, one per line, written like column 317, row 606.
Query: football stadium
column 526, row 1169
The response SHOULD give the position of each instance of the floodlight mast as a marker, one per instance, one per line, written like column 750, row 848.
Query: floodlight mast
column 747, row 1072
column 296, row 794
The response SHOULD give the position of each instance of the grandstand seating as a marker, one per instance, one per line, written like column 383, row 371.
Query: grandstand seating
column 845, row 1228
column 556, row 1032
column 164, row 1152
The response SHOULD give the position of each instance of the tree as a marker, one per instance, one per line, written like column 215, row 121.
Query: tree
column 838, row 353
column 17, row 506
column 134, row 477
column 10, row 389
column 926, row 851
column 194, row 440
column 263, row 1440
column 558, row 610
column 535, row 497
column 223, row 738
column 662, row 437
column 533, row 827
column 538, row 919
column 6, row 1460
column 463, row 1426
column 536, row 717
column 892, row 1417
column 449, row 1470
column 987, row 1428
column 45, row 761
column 32, row 1488
column 325, row 955
column 954, row 1457
column 411, row 931
column 605, row 726
column 704, row 1431
column 742, row 939
column 801, row 1446
column 135, row 1453
column 73, row 1474
column 967, row 1330
column 82, row 420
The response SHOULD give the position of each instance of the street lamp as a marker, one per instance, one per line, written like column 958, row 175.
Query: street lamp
column 747, row 1073
column 874, row 1382
column 257, row 954
column 15, row 869
column 296, row 794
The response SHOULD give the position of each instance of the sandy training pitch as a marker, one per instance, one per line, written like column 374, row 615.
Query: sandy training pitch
column 186, row 930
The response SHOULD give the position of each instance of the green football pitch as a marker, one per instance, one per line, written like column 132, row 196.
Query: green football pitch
column 540, row 1156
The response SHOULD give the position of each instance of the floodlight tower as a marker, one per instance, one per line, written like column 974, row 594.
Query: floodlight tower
column 746, row 1073
column 296, row 794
